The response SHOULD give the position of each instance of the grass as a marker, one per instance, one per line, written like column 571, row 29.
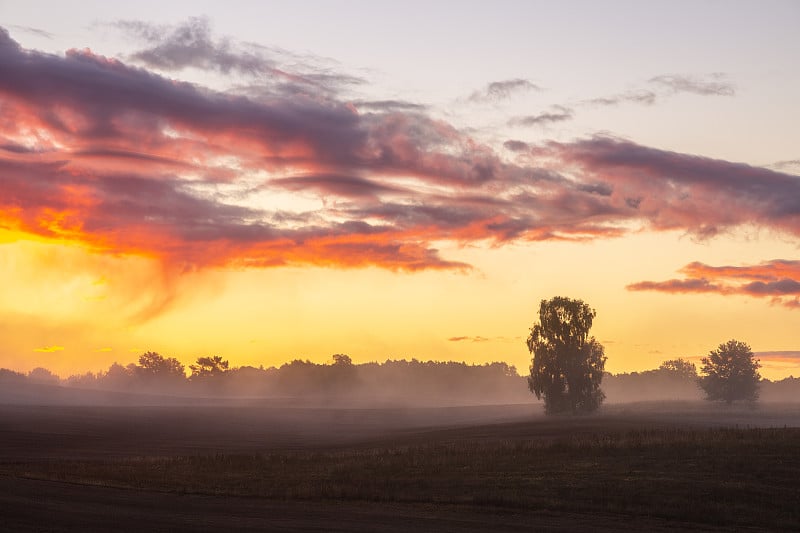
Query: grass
column 734, row 477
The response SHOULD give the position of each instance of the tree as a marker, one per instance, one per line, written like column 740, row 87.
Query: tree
column 209, row 367
column 680, row 368
column 119, row 377
column 154, row 365
column 567, row 365
column 42, row 375
column 730, row 373
column 342, row 359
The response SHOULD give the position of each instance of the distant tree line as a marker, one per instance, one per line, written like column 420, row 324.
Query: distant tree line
column 392, row 381
column 567, row 370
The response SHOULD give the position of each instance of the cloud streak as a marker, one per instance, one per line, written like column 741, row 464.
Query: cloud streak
column 714, row 85
column 668, row 85
column 635, row 97
column 503, row 90
column 191, row 44
column 468, row 339
column 559, row 114
column 49, row 349
column 778, row 280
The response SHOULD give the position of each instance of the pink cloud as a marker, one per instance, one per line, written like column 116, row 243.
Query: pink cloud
column 122, row 159
column 778, row 280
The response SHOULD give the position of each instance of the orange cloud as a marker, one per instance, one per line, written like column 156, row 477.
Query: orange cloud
column 778, row 280
column 126, row 161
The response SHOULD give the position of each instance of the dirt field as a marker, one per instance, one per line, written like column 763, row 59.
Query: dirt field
column 260, row 467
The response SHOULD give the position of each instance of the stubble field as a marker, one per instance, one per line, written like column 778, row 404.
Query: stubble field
column 281, row 468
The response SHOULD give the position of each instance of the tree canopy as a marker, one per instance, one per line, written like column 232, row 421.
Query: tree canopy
column 680, row 368
column 156, row 366
column 730, row 373
column 567, row 365
column 209, row 367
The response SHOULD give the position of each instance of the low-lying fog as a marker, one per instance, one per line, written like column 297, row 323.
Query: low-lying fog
column 302, row 383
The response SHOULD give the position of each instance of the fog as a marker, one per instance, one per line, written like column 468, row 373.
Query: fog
column 341, row 384
column 125, row 412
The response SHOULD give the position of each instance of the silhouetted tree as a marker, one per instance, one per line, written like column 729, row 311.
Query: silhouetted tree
column 11, row 376
column 731, row 373
column 567, row 365
column 680, row 368
column 42, row 375
column 119, row 377
column 154, row 365
column 209, row 367
column 87, row 380
column 342, row 359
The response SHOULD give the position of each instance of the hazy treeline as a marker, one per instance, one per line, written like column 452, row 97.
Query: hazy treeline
column 391, row 382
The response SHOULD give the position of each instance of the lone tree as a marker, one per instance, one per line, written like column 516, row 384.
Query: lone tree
column 567, row 365
column 730, row 373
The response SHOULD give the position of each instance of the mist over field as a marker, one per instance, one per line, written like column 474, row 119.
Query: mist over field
column 387, row 447
column 389, row 384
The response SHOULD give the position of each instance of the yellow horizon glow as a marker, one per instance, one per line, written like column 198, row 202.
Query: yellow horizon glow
column 103, row 309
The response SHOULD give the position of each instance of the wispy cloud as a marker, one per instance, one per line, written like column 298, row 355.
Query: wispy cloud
column 335, row 185
column 468, row 339
column 635, row 97
column 193, row 44
column 666, row 85
column 778, row 280
column 516, row 146
column 502, row 90
column 387, row 105
column 33, row 31
column 558, row 114
column 711, row 85
column 792, row 165
column 780, row 355
column 49, row 349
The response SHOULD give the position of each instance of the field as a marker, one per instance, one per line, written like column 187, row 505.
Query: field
column 259, row 466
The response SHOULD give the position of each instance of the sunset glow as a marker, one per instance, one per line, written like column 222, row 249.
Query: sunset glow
column 202, row 184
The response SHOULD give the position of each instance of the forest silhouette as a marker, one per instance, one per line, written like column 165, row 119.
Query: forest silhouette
column 392, row 382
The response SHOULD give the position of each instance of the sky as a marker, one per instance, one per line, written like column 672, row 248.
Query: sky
column 272, row 181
